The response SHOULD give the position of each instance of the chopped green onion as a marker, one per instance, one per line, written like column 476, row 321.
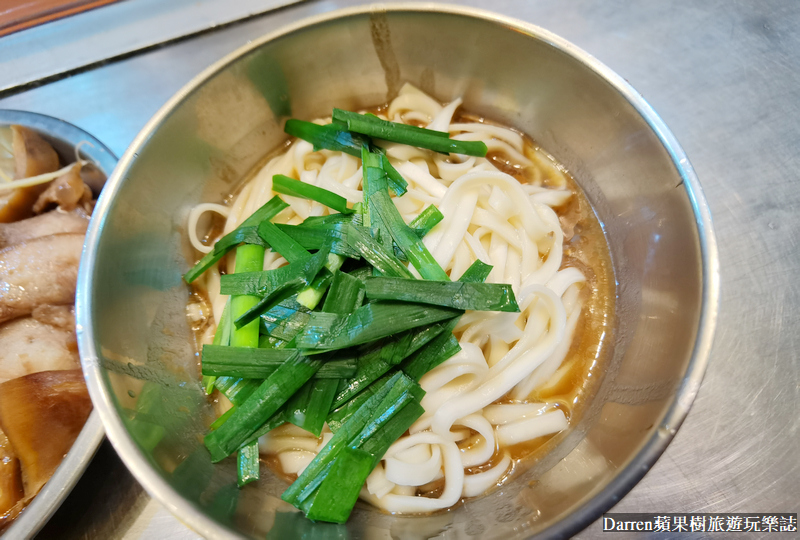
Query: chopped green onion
column 337, row 494
column 371, row 172
column 260, row 406
column 344, row 295
column 240, row 235
column 405, row 238
column 271, row 209
column 426, row 220
column 341, row 439
column 338, row 416
column 296, row 188
column 378, row 444
column 373, row 251
column 433, row 353
column 273, row 286
column 395, row 180
column 314, row 237
column 308, row 408
column 329, row 137
column 249, row 259
column 361, row 273
column 282, row 243
column 396, row 399
column 247, row 469
column 247, row 363
column 372, row 321
column 222, row 418
column 383, row 127
column 311, row 295
column 476, row 273
column 222, row 336
column 379, row 359
column 236, row 389
column 276, row 420
column 438, row 141
column 285, row 320
column 455, row 294
column 265, row 282
column 391, row 404
column 332, row 219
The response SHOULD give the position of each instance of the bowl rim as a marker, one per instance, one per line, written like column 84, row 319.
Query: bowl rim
column 80, row 454
column 581, row 516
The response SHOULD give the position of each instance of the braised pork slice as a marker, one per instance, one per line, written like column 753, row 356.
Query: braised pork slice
column 29, row 346
column 56, row 222
column 42, row 415
column 39, row 271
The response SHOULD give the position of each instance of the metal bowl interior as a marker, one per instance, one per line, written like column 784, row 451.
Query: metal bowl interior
column 64, row 138
column 136, row 345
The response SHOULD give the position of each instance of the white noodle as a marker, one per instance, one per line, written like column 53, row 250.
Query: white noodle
column 295, row 461
column 496, row 132
column 377, row 484
column 442, row 121
column 422, row 178
column 531, row 428
column 511, row 412
column 194, row 217
column 477, row 484
column 488, row 216
column 483, row 449
column 410, row 471
column 453, row 474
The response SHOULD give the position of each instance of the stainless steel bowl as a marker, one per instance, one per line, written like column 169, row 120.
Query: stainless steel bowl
column 134, row 339
column 64, row 137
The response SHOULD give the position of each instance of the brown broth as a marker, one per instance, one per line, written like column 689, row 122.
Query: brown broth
column 585, row 248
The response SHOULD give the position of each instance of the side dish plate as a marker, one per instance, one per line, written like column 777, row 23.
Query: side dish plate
column 64, row 137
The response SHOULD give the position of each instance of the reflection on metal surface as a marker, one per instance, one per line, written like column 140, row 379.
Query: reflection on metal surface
column 67, row 44
column 622, row 154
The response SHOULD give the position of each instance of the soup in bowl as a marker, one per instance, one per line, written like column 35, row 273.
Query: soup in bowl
column 581, row 201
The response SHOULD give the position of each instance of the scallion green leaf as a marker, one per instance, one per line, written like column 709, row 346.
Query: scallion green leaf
column 338, row 492
column 426, row 220
column 437, row 141
column 380, row 358
column 373, row 251
column 296, row 188
column 247, row 464
column 273, row 286
column 328, row 137
column 406, row 239
column 248, row 363
column 455, row 294
column 282, row 243
column 373, row 321
column 271, row 209
column 260, row 406
column 476, row 273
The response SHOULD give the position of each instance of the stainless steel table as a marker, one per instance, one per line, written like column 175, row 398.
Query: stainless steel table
column 725, row 77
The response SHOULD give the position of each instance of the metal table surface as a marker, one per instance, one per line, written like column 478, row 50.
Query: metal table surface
column 725, row 76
